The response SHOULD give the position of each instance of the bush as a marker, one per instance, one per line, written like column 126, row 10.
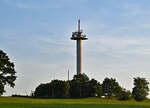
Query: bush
column 125, row 95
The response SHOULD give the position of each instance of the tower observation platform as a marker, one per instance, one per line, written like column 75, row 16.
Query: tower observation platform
column 78, row 36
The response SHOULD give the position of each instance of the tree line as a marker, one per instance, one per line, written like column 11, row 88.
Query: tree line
column 81, row 87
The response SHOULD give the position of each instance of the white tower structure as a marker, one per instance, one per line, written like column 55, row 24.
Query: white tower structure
column 79, row 37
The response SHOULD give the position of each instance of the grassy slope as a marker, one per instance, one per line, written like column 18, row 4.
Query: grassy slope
column 9, row 102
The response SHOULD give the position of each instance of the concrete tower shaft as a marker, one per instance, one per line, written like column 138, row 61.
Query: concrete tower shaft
column 79, row 56
column 79, row 37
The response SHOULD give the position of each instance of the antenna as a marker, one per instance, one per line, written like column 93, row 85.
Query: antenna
column 79, row 25
column 68, row 74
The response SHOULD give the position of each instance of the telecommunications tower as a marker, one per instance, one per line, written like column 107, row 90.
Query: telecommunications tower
column 79, row 37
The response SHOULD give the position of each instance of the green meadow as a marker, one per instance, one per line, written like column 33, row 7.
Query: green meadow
column 16, row 102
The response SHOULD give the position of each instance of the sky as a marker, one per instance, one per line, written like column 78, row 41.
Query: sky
column 36, row 36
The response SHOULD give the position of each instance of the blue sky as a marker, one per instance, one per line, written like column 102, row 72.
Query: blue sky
column 36, row 36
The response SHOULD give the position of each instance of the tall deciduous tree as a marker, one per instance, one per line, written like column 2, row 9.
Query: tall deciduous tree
column 95, row 88
column 111, row 87
column 7, row 72
column 60, row 89
column 79, row 86
column 141, row 89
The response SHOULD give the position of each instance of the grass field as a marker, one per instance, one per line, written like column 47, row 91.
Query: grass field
column 13, row 102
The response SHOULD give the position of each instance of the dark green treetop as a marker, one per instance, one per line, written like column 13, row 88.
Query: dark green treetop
column 141, row 89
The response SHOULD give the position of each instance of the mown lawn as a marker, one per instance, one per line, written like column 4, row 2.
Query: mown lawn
column 13, row 102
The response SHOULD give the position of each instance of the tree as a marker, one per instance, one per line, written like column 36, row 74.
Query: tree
column 54, row 89
column 124, row 95
column 7, row 72
column 79, row 86
column 81, row 77
column 43, row 91
column 67, row 87
column 1, row 89
column 110, row 87
column 74, row 90
column 60, row 89
column 141, row 89
column 95, row 88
